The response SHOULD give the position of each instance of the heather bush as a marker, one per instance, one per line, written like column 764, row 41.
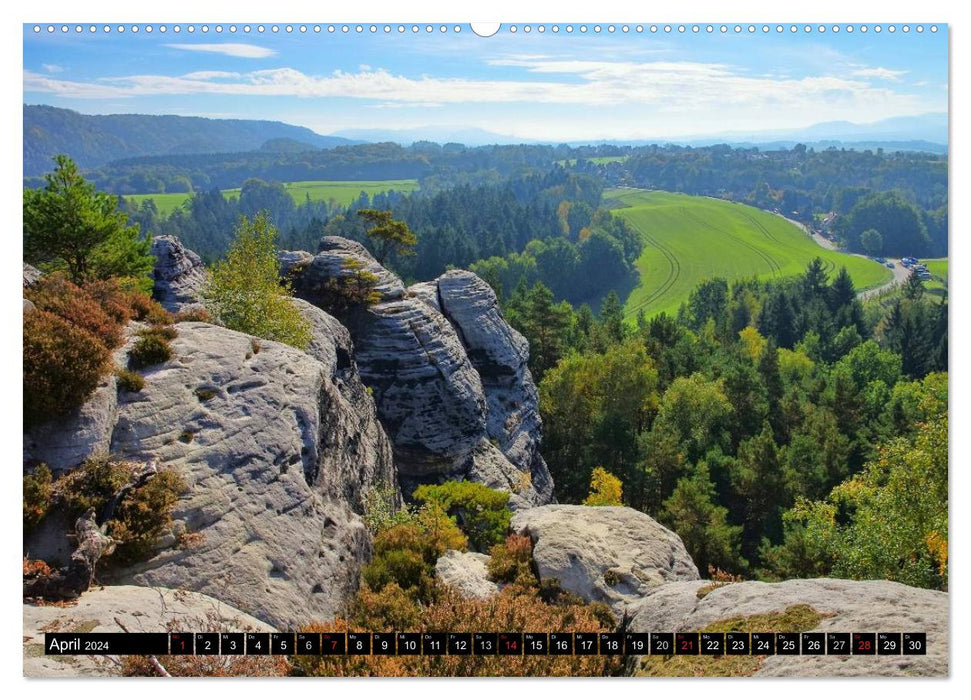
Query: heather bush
column 55, row 294
column 513, row 609
column 38, row 489
column 130, row 381
column 144, row 515
column 62, row 365
column 512, row 561
column 150, row 349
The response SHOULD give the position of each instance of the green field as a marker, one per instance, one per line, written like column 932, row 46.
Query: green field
column 342, row 191
column 689, row 239
column 938, row 269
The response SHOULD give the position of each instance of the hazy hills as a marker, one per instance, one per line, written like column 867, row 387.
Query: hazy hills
column 93, row 140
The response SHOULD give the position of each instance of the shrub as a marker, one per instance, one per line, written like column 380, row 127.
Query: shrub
column 130, row 381
column 113, row 297
column 605, row 489
column 149, row 349
column 512, row 609
column 383, row 508
column 194, row 314
column 54, row 293
column 144, row 515
column 91, row 485
column 244, row 291
column 146, row 309
column 62, row 366
column 163, row 332
column 354, row 287
column 512, row 561
column 481, row 512
column 38, row 490
column 138, row 520
column 405, row 553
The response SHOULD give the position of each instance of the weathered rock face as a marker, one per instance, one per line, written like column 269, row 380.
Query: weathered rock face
column 611, row 554
column 179, row 273
column 845, row 606
column 334, row 253
column 65, row 442
column 138, row 608
column 277, row 448
column 499, row 354
column 31, row 275
column 466, row 572
column 448, row 374
column 428, row 395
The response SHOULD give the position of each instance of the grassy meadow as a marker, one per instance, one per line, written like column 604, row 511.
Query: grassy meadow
column 342, row 191
column 689, row 239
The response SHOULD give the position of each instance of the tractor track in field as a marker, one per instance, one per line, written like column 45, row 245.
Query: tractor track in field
column 774, row 267
column 674, row 271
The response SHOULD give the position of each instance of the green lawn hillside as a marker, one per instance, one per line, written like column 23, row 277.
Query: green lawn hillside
column 342, row 191
column 690, row 238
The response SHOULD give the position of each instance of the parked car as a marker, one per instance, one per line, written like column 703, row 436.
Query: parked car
column 889, row 264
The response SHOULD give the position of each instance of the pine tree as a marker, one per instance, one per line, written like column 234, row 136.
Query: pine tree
column 612, row 318
column 703, row 526
column 70, row 226
column 814, row 281
column 389, row 235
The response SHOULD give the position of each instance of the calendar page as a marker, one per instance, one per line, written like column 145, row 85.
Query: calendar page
column 516, row 349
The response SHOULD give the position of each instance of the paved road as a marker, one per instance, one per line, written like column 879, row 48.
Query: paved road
column 900, row 273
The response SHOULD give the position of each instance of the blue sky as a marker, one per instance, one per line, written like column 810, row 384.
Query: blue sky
column 532, row 86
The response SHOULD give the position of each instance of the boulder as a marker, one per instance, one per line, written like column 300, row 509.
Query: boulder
column 310, row 275
column 137, row 608
column 467, row 573
column 611, row 554
column 31, row 275
column 179, row 274
column 278, row 449
column 845, row 606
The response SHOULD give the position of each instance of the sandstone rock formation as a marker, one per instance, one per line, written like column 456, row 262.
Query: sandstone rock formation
column 278, row 448
column 611, row 554
column 845, row 606
column 466, row 572
column 31, row 275
column 448, row 375
column 138, row 608
column 309, row 275
column 179, row 273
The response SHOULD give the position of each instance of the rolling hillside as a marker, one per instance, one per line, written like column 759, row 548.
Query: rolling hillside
column 93, row 140
column 689, row 239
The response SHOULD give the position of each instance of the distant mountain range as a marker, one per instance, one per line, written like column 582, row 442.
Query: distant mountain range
column 93, row 140
column 926, row 132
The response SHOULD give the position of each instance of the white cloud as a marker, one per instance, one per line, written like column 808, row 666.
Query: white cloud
column 879, row 73
column 234, row 50
column 52, row 68
column 647, row 97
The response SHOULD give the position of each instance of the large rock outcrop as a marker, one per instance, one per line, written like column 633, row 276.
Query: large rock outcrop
column 614, row 555
column 179, row 273
column 844, row 606
column 137, row 608
column 448, row 374
column 277, row 448
column 467, row 573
